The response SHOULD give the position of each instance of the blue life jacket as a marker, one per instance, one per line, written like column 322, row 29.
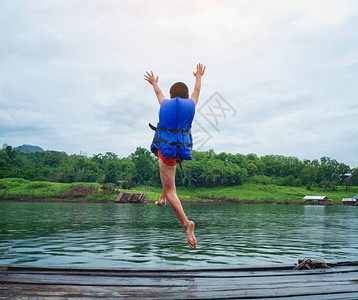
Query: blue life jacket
column 172, row 134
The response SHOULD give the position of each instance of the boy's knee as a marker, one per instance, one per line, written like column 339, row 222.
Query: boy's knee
column 168, row 192
column 172, row 193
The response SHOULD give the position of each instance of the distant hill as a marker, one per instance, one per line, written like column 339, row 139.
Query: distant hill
column 29, row 148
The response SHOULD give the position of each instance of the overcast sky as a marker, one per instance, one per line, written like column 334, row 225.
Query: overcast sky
column 281, row 76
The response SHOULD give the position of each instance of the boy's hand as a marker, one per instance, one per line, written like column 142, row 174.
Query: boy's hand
column 154, row 82
column 199, row 70
column 151, row 78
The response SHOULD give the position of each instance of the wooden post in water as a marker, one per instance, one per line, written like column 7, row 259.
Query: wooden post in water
column 119, row 197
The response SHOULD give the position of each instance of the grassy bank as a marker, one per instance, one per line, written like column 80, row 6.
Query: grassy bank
column 24, row 190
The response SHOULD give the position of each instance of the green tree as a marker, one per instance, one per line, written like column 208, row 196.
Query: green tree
column 307, row 174
column 145, row 166
column 354, row 177
column 111, row 174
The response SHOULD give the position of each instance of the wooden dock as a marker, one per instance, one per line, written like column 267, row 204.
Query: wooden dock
column 35, row 282
column 131, row 198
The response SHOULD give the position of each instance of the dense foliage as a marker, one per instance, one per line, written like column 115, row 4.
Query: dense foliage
column 207, row 169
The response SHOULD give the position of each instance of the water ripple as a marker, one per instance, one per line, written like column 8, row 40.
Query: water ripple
column 145, row 236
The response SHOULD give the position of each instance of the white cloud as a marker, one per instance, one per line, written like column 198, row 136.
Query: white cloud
column 73, row 71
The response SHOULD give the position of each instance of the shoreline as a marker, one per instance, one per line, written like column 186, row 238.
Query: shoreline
column 21, row 190
column 198, row 202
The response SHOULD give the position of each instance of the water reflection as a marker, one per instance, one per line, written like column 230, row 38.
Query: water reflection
column 145, row 236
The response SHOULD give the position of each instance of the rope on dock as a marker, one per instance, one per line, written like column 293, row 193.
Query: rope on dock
column 310, row 264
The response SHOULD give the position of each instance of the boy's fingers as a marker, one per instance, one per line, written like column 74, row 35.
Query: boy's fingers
column 150, row 74
column 199, row 69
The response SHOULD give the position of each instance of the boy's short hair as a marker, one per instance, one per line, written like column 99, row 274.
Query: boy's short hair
column 179, row 89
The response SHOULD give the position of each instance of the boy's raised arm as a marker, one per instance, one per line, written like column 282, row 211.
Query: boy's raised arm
column 200, row 69
column 154, row 82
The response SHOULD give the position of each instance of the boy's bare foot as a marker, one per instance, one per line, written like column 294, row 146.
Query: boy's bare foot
column 161, row 202
column 190, row 234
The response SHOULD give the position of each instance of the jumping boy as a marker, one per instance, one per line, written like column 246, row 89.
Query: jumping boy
column 173, row 142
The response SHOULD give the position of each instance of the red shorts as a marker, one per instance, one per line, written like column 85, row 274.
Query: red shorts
column 168, row 161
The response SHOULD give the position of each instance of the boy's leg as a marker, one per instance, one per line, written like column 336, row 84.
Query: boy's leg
column 167, row 176
column 163, row 200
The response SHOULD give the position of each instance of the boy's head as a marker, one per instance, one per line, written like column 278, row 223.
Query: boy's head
column 180, row 90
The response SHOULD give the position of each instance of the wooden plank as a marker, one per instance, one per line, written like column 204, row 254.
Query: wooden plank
column 340, row 282
column 216, row 273
column 188, row 292
column 214, row 283
column 173, row 271
column 109, row 279
column 140, row 198
column 119, row 197
column 251, row 276
column 347, row 296
column 130, row 197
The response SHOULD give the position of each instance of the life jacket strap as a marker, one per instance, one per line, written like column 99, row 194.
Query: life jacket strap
column 179, row 130
column 181, row 166
column 158, row 139
column 181, row 144
column 156, row 128
column 171, row 130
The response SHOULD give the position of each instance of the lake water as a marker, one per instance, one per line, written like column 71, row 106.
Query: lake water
column 145, row 236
